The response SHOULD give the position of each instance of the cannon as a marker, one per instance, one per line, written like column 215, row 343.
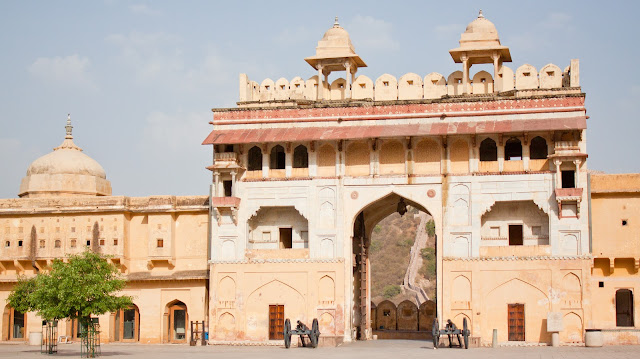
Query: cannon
column 301, row 329
column 451, row 330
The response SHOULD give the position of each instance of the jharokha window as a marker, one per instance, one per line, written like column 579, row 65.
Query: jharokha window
column 300, row 157
column 277, row 159
column 488, row 150
column 255, row 159
column 538, row 149
column 513, row 150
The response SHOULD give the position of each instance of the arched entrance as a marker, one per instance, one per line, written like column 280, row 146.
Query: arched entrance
column 363, row 226
column 15, row 324
column 127, row 325
column 176, row 319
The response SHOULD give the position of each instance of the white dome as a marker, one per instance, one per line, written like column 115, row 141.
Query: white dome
column 66, row 161
column 65, row 172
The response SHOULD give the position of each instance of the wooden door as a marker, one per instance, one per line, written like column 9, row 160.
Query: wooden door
column 276, row 322
column 516, row 322
column 178, row 319
column 515, row 235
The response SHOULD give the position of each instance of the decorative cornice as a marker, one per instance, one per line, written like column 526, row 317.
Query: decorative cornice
column 282, row 260
column 517, row 258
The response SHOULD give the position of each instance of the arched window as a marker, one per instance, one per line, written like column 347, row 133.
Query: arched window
column 255, row 159
column 488, row 150
column 513, row 150
column 624, row 308
column 538, row 148
column 300, row 157
column 277, row 158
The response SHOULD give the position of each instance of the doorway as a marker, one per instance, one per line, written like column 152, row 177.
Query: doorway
column 516, row 322
column 624, row 308
column 276, row 322
column 178, row 323
column 515, row 235
column 286, row 238
column 17, row 325
column 127, row 328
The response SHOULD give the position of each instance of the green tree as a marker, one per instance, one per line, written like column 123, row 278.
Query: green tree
column 391, row 291
column 86, row 285
column 431, row 228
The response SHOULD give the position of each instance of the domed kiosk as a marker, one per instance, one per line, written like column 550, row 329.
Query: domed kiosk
column 66, row 171
column 480, row 44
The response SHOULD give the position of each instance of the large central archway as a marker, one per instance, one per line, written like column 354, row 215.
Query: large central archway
column 363, row 225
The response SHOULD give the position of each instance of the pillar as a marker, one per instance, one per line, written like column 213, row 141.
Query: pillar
column 347, row 90
column 465, row 73
column 558, row 174
column 216, row 183
column 233, row 184
column 320, row 93
column 577, row 163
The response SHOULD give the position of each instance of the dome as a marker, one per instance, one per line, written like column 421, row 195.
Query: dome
column 66, row 161
column 65, row 171
column 482, row 26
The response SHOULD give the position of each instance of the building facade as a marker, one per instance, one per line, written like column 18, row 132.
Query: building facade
column 303, row 170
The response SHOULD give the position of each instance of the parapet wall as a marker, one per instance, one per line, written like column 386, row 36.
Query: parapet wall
column 411, row 86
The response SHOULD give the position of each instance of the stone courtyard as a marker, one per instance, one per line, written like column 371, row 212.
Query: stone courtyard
column 369, row 349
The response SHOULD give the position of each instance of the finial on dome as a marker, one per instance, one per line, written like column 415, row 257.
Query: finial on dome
column 68, row 139
column 68, row 127
column 335, row 23
column 480, row 16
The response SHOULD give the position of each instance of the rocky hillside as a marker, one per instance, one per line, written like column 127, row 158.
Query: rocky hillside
column 390, row 251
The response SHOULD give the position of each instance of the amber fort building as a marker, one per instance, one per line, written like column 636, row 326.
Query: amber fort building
column 528, row 240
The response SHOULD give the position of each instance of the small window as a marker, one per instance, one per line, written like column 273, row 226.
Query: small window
column 297, row 85
column 624, row 222
column 115, row 241
column 57, row 243
column 7, row 244
column 277, row 158
column 385, row 83
column 488, row 150
column 483, row 80
column 526, row 74
column 255, row 159
column 386, row 313
column 267, row 88
column 435, row 82
column 459, row 81
column 20, row 243
column 102, row 242
column 42, row 243
column 410, row 82
column 513, row 150
column 341, row 86
column 300, row 157
column 550, row 73
column 159, row 243
column 282, row 87
column 363, row 86
column 569, row 179
column 315, row 85
column 601, row 284
column 227, row 188
column 88, row 242
column 73, row 243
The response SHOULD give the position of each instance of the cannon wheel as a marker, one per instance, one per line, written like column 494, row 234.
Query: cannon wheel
column 287, row 333
column 435, row 331
column 315, row 333
column 465, row 333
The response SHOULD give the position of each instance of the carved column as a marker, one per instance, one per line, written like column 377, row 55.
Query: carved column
column 233, row 184
column 465, row 73
column 320, row 93
column 216, row 183
column 347, row 90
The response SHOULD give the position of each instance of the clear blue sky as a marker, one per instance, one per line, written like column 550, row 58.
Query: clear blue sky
column 140, row 77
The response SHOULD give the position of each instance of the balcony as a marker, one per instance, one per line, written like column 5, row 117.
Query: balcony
column 222, row 160
column 567, row 149
column 568, row 194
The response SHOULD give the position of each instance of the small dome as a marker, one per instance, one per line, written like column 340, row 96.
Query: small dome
column 65, row 172
column 482, row 26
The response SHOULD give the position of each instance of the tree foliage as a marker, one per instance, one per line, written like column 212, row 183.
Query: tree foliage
column 84, row 286
column 391, row 291
column 431, row 228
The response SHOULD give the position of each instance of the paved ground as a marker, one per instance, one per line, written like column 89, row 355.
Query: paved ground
column 384, row 349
